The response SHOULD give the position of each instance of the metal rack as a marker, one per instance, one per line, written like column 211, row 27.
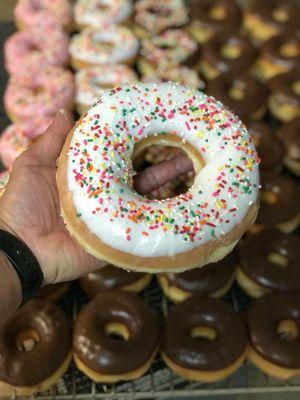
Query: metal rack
column 160, row 382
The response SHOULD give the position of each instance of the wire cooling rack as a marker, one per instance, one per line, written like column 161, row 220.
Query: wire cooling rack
column 160, row 382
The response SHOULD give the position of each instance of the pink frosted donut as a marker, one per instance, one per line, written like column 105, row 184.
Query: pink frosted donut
column 31, row 12
column 39, row 94
column 13, row 142
column 37, row 47
column 4, row 178
column 35, row 126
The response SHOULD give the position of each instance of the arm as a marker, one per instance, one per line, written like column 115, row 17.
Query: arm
column 10, row 290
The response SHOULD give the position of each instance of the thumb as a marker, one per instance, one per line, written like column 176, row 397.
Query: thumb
column 48, row 147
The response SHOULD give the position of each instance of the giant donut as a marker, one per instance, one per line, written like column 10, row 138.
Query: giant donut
column 114, row 223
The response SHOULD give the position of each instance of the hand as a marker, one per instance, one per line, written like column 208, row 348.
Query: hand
column 30, row 206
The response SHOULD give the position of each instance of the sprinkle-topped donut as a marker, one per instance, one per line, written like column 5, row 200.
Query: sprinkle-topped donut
column 156, row 16
column 4, row 178
column 13, row 142
column 96, row 13
column 42, row 93
column 110, row 45
column 110, row 219
column 31, row 12
column 172, row 47
column 37, row 47
column 90, row 82
column 183, row 74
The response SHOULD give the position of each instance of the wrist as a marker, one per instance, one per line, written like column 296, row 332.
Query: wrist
column 10, row 285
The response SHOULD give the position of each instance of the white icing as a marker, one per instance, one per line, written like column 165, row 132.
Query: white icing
column 102, row 140
column 112, row 45
column 96, row 13
column 90, row 82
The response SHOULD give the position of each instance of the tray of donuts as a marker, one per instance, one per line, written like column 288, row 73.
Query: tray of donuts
column 200, row 324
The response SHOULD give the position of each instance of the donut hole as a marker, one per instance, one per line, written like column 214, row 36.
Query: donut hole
column 37, row 90
column 237, row 91
column 26, row 340
column 102, row 7
column 218, row 13
column 278, row 259
column 296, row 87
column 104, row 45
column 288, row 329
column 156, row 154
column 281, row 15
column 231, row 51
column 117, row 331
column 289, row 50
column 269, row 197
column 160, row 11
column 203, row 333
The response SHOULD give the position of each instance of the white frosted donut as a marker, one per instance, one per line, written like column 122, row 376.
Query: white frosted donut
column 97, row 13
column 110, row 45
column 90, row 82
column 156, row 16
column 114, row 223
column 182, row 74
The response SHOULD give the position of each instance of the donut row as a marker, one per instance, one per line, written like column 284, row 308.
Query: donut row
column 39, row 85
column 116, row 337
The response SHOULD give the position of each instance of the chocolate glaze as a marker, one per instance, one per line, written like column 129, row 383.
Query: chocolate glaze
column 48, row 290
column 197, row 353
column 255, row 92
column 212, row 53
column 104, row 354
column 282, row 86
column 289, row 135
column 206, row 280
column 264, row 10
column 200, row 12
column 263, row 318
column 287, row 205
column 254, row 252
column 107, row 278
column 267, row 145
column 271, row 50
column 32, row 367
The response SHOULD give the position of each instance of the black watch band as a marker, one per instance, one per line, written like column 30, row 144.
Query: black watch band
column 24, row 262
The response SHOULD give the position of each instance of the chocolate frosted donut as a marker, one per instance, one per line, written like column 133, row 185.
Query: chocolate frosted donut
column 267, row 145
column 52, row 292
column 274, row 327
column 265, row 19
column 41, row 326
column 242, row 93
column 212, row 280
column 268, row 261
column 284, row 101
column 230, row 54
column 280, row 203
column 212, row 17
column 278, row 54
column 204, row 339
column 103, row 357
column 290, row 138
column 110, row 277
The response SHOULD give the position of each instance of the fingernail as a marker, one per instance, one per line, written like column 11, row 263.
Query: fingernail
column 63, row 111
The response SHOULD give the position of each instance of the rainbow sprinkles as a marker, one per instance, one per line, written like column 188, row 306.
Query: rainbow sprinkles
column 99, row 174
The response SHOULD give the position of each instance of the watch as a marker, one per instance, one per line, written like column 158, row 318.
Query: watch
column 24, row 263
